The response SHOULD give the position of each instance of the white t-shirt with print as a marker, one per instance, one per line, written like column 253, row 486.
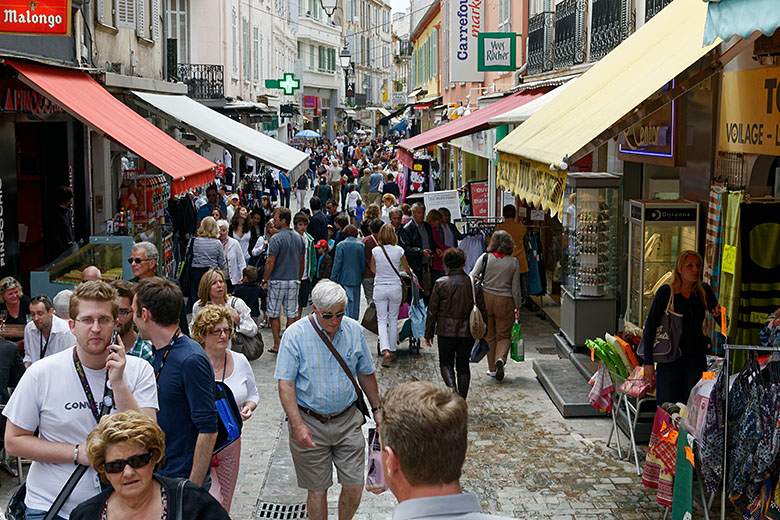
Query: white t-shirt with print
column 50, row 397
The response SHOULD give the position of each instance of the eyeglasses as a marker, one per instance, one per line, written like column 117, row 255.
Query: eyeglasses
column 135, row 462
column 103, row 322
column 132, row 260
column 219, row 332
column 330, row 316
column 125, row 312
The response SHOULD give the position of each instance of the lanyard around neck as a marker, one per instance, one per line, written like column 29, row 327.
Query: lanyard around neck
column 108, row 393
column 167, row 350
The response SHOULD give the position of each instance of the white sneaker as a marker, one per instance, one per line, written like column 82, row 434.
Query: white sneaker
column 491, row 374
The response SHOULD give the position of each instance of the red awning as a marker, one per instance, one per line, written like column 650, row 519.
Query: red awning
column 422, row 106
column 474, row 122
column 86, row 100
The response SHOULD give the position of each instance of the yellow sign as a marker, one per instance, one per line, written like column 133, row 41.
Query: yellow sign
column 750, row 111
column 729, row 261
column 532, row 181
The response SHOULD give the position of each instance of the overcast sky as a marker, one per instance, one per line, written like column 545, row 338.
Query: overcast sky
column 399, row 5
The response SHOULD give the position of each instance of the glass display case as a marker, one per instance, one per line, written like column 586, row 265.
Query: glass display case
column 591, row 220
column 109, row 254
column 657, row 231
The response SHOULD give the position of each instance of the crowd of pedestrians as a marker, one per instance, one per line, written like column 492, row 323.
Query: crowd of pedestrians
column 121, row 378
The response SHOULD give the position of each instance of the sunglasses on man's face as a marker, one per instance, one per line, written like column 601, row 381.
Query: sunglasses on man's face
column 136, row 260
column 135, row 462
column 330, row 316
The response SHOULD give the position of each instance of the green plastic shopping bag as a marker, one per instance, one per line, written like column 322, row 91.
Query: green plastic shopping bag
column 518, row 343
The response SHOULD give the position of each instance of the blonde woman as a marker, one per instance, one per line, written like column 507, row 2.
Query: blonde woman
column 213, row 290
column 693, row 299
column 213, row 329
column 388, row 203
column 13, row 301
column 207, row 252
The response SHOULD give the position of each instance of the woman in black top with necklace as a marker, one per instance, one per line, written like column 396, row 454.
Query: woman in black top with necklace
column 692, row 299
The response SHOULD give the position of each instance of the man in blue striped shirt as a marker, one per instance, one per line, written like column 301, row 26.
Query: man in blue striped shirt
column 320, row 400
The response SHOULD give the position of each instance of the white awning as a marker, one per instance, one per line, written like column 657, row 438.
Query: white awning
column 522, row 113
column 413, row 94
column 227, row 132
column 350, row 113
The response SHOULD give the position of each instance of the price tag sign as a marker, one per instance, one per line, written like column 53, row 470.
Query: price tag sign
column 729, row 261
column 723, row 321
column 537, row 214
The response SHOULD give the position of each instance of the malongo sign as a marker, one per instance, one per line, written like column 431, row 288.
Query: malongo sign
column 35, row 17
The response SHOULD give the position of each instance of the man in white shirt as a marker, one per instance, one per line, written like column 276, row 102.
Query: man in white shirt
column 63, row 395
column 46, row 334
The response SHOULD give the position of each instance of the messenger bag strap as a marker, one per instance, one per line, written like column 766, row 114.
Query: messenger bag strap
column 389, row 261
column 338, row 357
column 66, row 491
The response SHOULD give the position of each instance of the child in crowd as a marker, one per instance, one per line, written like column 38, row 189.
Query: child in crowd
column 359, row 210
column 353, row 199
column 331, row 237
column 248, row 290
column 324, row 262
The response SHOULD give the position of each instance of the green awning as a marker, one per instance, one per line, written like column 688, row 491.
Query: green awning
column 725, row 18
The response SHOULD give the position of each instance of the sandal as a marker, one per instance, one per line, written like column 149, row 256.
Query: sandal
column 273, row 351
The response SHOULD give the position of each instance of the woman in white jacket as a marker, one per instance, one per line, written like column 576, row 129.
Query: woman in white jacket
column 234, row 255
column 213, row 289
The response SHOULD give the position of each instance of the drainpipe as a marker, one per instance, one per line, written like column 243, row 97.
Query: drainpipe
column 164, row 39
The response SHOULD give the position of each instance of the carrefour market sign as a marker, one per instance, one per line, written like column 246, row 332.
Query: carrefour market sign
column 750, row 111
column 35, row 17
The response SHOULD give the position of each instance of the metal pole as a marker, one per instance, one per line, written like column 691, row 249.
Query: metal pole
column 725, row 432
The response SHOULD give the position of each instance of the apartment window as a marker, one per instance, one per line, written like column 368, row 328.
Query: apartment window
column 234, row 29
column 126, row 13
column 312, row 55
column 177, row 28
column 314, row 9
column 256, row 53
column 321, row 65
column 245, row 48
column 435, row 53
column 504, row 15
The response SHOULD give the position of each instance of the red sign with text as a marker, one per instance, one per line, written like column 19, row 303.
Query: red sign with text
column 479, row 198
column 41, row 17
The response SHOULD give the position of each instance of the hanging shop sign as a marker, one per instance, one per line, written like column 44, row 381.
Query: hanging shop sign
column 652, row 140
column 497, row 51
column 533, row 182
column 35, row 17
column 479, row 198
column 750, row 111
column 288, row 84
column 467, row 20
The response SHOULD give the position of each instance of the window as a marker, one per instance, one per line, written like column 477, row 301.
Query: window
column 126, row 11
column 435, row 53
column 331, row 60
column 104, row 11
column 246, row 47
column 504, row 15
column 256, row 46
column 234, row 29
column 312, row 62
column 321, row 65
column 177, row 29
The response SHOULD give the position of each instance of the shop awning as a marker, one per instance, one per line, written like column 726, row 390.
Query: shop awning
column 227, row 132
column 86, row 100
column 413, row 94
column 573, row 122
column 401, row 127
column 350, row 113
column 474, row 122
column 725, row 18
column 522, row 113
column 386, row 120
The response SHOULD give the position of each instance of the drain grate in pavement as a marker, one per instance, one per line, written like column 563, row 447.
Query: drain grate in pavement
column 547, row 351
column 281, row 511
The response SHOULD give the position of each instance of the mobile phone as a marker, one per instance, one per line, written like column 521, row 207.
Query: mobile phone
column 114, row 337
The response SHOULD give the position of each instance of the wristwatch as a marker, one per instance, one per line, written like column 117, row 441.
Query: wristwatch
column 375, row 409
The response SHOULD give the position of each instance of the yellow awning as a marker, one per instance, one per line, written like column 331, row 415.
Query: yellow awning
column 636, row 69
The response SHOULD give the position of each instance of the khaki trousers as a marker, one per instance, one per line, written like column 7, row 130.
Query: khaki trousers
column 501, row 317
column 336, row 186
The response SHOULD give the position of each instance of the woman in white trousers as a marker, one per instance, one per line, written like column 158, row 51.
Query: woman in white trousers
column 386, row 261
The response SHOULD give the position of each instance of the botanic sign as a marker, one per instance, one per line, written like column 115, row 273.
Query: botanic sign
column 36, row 17
column 497, row 52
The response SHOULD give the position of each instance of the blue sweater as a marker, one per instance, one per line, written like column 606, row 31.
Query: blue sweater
column 349, row 262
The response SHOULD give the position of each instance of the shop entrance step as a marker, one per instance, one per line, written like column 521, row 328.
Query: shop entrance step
column 566, row 387
column 579, row 357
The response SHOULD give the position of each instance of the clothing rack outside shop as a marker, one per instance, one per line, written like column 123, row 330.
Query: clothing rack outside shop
column 728, row 349
column 481, row 225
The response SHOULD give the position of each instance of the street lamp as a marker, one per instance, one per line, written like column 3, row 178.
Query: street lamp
column 329, row 6
column 345, row 58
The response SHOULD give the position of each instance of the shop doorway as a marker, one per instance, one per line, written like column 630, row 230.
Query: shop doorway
column 42, row 166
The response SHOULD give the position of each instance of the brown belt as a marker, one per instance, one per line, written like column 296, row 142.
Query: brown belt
column 324, row 418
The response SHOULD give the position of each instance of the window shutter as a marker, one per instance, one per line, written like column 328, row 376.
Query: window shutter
column 126, row 13
column 140, row 19
column 100, row 11
column 155, row 25
column 435, row 54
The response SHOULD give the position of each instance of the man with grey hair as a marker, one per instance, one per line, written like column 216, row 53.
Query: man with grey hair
column 396, row 218
column 143, row 260
column 61, row 304
column 320, row 400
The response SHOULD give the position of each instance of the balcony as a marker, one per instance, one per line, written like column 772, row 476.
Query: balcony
column 540, row 42
column 405, row 48
column 610, row 25
column 569, row 41
column 653, row 7
column 203, row 81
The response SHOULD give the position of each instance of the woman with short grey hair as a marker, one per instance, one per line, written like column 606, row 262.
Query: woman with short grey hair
column 501, row 287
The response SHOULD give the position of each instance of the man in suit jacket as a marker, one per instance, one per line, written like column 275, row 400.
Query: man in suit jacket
column 348, row 266
column 416, row 238
column 318, row 224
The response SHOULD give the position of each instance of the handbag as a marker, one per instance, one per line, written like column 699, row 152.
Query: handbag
column 360, row 403
column 517, row 349
column 375, row 479
column 479, row 297
column 666, row 346
column 250, row 346
column 635, row 384
column 229, row 420
column 185, row 278
column 369, row 321
column 404, row 287
column 476, row 322
column 480, row 350
column 16, row 508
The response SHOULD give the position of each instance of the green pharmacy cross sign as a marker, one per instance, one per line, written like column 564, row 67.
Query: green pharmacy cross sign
column 289, row 84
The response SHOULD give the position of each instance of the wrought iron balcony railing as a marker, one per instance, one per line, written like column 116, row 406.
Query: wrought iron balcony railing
column 653, row 7
column 610, row 25
column 540, row 42
column 203, row 81
column 569, row 40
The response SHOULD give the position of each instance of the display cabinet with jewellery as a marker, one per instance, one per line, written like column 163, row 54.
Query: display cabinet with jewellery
column 658, row 230
column 589, row 265
column 109, row 254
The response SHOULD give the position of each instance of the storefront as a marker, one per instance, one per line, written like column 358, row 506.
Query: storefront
column 63, row 129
